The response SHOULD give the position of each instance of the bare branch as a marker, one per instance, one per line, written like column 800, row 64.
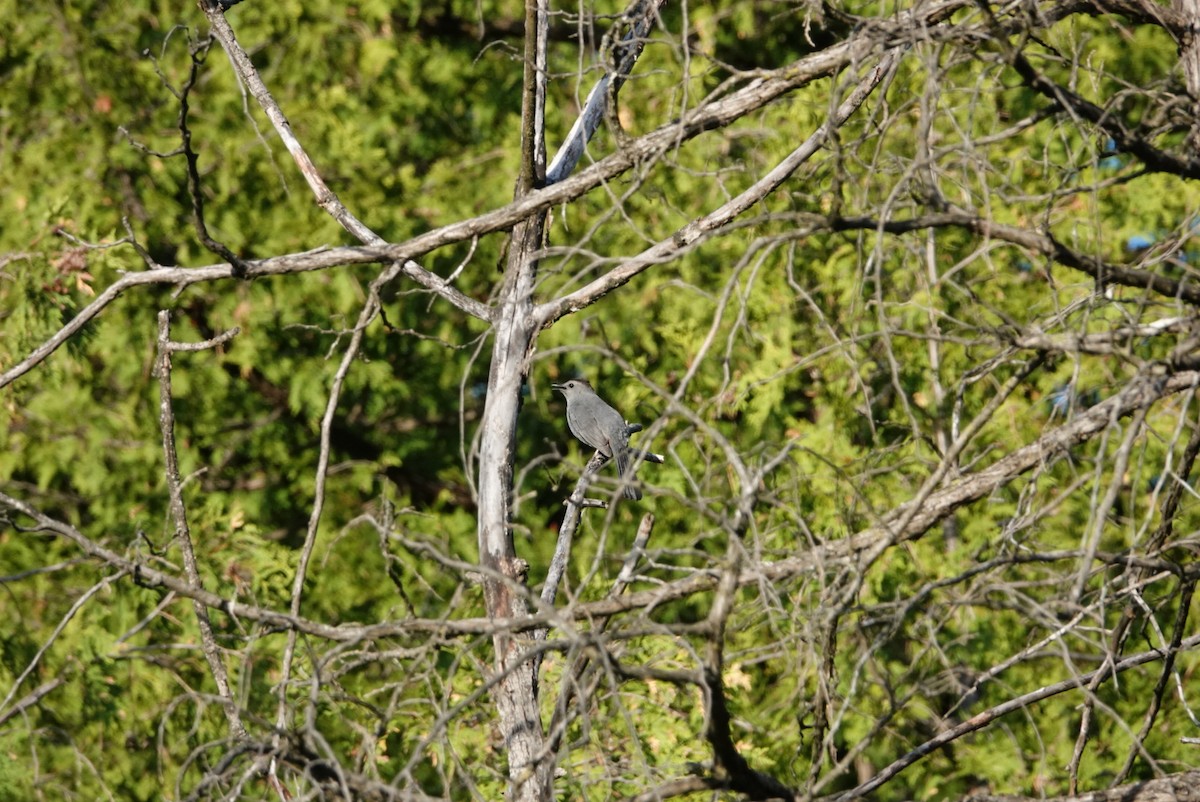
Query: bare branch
column 166, row 422
column 1038, row 242
column 981, row 720
column 694, row 232
column 729, row 766
column 1175, row 788
column 640, row 15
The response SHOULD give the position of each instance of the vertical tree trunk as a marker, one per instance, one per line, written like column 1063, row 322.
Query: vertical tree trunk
column 1189, row 45
column 530, row 772
column 1189, row 56
column 516, row 703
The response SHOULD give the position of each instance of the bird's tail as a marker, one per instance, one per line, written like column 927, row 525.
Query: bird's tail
column 632, row 491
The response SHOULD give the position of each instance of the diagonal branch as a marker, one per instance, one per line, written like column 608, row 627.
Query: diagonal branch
column 693, row 232
column 641, row 15
column 366, row 315
column 1036, row 241
column 327, row 199
column 69, row 616
column 1174, row 788
column 981, row 720
column 1155, row 159
column 967, row 489
column 181, row 277
column 713, row 115
column 198, row 52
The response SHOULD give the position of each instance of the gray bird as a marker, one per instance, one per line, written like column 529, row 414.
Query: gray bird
column 600, row 426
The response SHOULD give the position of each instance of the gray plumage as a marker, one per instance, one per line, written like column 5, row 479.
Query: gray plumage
column 595, row 423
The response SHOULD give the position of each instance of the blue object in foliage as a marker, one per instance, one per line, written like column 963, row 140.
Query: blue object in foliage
column 1139, row 242
column 1060, row 400
column 1111, row 160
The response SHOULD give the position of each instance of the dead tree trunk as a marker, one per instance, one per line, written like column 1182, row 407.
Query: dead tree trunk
column 530, row 771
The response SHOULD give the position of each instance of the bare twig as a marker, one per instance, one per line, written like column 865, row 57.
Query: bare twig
column 730, row 768
column 366, row 315
column 981, row 720
column 76, row 606
column 640, row 16
column 166, row 422
column 683, row 239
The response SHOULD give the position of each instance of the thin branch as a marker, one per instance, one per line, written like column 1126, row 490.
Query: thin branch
column 1170, row 506
column 981, row 720
column 327, row 199
column 1155, row 159
column 581, row 679
column 76, row 606
column 198, row 52
column 32, row 698
column 566, row 533
column 1164, row 678
column 182, row 277
column 729, row 766
column 640, row 16
column 1176, row 788
column 1114, row 342
column 366, row 315
column 151, row 577
column 1043, row 243
column 683, row 239
column 680, row 787
column 178, row 511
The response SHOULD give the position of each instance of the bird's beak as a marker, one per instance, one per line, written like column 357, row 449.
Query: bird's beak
column 558, row 386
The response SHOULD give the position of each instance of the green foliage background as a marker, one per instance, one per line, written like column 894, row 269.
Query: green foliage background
column 412, row 117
